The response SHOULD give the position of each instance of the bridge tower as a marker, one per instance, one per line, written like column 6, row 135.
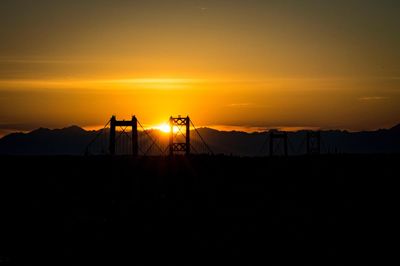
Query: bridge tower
column 313, row 142
column 275, row 137
column 179, row 141
column 114, row 123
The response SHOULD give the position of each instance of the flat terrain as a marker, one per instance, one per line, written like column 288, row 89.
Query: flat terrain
column 199, row 210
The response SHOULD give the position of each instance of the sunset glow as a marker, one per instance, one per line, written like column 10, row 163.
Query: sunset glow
column 165, row 128
column 235, row 64
column 128, row 128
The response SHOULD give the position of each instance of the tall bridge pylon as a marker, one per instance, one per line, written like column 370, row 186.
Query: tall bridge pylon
column 179, row 141
column 114, row 123
column 313, row 142
column 275, row 137
column 280, row 143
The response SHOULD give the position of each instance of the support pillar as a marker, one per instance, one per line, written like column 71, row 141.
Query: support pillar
column 112, row 135
column 114, row 123
column 176, row 143
column 313, row 142
column 278, row 136
column 187, row 135
column 135, row 141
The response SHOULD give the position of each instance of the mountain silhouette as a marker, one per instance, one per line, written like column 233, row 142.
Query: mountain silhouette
column 396, row 129
column 73, row 141
column 43, row 141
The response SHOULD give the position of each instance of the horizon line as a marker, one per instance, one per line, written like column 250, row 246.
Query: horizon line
column 221, row 128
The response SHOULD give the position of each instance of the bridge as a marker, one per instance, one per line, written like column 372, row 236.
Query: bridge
column 129, row 137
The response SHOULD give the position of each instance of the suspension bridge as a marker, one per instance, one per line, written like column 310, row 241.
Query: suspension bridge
column 130, row 137
column 280, row 143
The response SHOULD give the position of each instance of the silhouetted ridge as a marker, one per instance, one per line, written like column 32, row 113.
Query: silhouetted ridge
column 44, row 141
column 74, row 139
column 40, row 131
column 395, row 129
column 73, row 129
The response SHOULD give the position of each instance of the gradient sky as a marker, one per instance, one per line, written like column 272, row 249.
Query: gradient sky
column 250, row 63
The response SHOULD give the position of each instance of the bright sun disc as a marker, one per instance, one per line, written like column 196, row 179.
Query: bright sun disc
column 164, row 128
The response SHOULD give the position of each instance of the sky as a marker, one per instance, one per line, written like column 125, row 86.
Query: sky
column 248, row 64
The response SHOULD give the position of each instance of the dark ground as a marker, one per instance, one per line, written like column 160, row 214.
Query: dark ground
column 328, row 210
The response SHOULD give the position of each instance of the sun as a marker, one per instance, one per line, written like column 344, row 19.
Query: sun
column 164, row 128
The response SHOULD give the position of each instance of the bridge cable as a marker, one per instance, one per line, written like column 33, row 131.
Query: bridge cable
column 95, row 137
column 198, row 133
column 151, row 138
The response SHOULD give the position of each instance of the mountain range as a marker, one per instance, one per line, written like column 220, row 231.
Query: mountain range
column 73, row 140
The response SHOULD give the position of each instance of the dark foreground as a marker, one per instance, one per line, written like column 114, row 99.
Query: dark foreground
column 201, row 210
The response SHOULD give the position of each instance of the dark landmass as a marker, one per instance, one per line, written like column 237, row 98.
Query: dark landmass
column 74, row 210
column 73, row 141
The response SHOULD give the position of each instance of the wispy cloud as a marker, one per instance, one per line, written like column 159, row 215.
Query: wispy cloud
column 45, row 60
column 202, row 8
column 240, row 105
column 251, row 129
column 372, row 98
column 152, row 83
column 20, row 126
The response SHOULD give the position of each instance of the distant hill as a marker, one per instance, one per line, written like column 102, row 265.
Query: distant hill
column 73, row 141
column 333, row 141
column 70, row 140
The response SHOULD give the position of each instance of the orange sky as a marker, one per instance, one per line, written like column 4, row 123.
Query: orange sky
column 250, row 64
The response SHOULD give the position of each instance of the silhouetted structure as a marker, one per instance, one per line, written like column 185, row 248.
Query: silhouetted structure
column 114, row 123
column 179, row 141
column 277, row 137
column 153, row 142
column 184, row 138
column 313, row 142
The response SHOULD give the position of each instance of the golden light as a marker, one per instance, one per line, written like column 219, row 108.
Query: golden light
column 164, row 128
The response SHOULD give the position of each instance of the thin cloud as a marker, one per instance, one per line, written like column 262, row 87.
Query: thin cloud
column 42, row 60
column 372, row 98
column 240, row 105
column 22, row 127
column 152, row 83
